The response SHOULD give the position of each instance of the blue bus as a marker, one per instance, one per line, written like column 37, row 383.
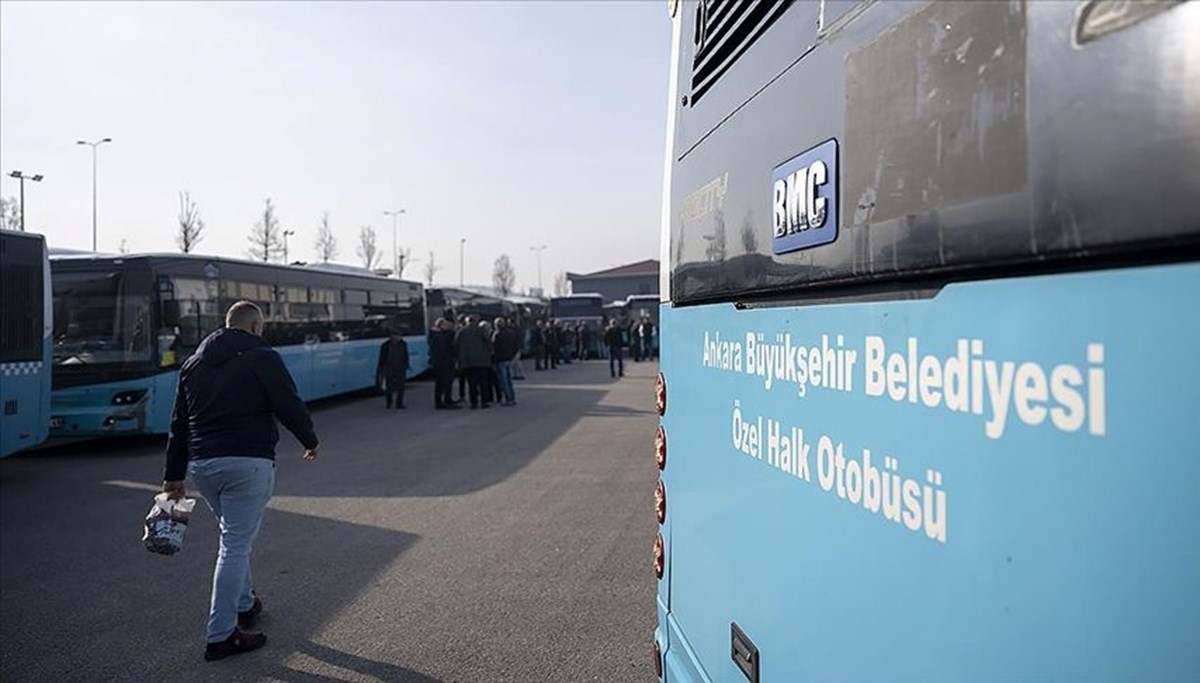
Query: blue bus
column 24, row 341
column 929, row 376
column 123, row 325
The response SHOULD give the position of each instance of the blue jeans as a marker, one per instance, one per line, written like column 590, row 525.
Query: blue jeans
column 237, row 490
column 504, row 376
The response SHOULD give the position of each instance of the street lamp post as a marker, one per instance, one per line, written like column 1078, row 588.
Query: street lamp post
column 395, row 238
column 93, row 145
column 462, row 245
column 539, row 251
column 285, row 246
column 37, row 178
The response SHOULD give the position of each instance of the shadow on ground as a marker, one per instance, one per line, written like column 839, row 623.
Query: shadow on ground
column 85, row 601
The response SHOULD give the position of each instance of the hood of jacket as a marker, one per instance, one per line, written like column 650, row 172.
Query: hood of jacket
column 220, row 346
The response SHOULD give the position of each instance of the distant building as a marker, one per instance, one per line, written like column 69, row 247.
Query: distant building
column 617, row 283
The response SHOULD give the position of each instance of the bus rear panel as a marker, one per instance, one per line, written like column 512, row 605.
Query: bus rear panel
column 24, row 341
column 929, row 384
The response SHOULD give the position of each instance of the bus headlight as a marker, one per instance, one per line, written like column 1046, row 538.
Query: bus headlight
column 125, row 398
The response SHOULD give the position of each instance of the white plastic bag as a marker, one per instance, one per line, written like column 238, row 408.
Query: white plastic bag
column 166, row 524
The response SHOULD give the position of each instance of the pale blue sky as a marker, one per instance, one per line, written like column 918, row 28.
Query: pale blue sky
column 510, row 124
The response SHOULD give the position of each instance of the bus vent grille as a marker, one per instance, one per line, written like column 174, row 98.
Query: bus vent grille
column 724, row 30
column 10, row 407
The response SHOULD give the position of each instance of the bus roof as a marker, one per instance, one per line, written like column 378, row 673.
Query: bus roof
column 102, row 258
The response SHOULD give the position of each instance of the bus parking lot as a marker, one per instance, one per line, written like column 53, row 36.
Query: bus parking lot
column 512, row 544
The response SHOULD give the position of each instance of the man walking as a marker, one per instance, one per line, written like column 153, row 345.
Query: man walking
column 223, row 428
column 441, row 357
column 393, row 368
column 612, row 340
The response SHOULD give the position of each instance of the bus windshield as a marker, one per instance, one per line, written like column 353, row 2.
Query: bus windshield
column 100, row 317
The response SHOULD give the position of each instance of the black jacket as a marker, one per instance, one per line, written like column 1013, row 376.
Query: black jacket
column 504, row 344
column 393, row 360
column 612, row 338
column 230, row 392
column 441, row 348
column 473, row 347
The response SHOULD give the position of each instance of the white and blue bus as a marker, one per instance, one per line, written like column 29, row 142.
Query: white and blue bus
column 24, row 341
column 930, row 380
column 123, row 325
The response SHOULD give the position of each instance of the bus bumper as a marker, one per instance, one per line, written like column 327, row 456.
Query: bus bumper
column 106, row 409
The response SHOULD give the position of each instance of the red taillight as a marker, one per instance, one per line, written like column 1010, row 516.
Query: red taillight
column 660, row 501
column 658, row 663
column 660, row 395
column 660, row 448
column 659, row 556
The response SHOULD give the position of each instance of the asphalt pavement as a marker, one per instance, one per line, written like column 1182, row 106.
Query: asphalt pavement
column 512, row 544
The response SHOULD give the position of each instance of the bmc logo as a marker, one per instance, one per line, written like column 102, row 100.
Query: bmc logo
column 804, row 192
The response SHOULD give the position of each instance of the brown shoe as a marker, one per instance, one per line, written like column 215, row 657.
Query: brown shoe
column 235, row 644
column 246, row 619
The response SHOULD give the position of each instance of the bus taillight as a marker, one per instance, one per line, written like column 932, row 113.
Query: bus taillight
column 660, row 395
column 660, row 502
column 660, row 448
column 659, row 556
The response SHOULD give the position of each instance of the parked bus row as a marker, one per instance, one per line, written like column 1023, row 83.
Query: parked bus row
column 93, row 343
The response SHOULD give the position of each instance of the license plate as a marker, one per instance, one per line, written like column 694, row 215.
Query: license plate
column 56, row 423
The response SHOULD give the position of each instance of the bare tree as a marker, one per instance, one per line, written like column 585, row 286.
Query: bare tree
column 749, row 237
column 326, row 243
column 715, row 251
column 403, row 259
column 10, row 213
column 431, row 269
column 368, row 250
column 562, row 286
column 266, row 239
column 504, row 278
column 191, row 226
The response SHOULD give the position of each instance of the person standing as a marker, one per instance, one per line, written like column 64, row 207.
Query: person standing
column 634, row 345
column 460, row 371
column 585, row 341
column 223, row 429
column 441, row 357
column 393, row 368
column 566, row 343
column 539, row 345
column 612, row 341
column 475, row 358
column 552, row 338
column 505, row 346
column 521, row 333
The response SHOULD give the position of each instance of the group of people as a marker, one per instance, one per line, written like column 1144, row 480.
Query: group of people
column 484, row 356
column 555, row 342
